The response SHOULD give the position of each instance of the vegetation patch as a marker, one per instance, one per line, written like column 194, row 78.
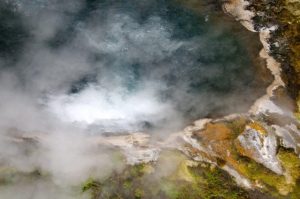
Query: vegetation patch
column 187, row 180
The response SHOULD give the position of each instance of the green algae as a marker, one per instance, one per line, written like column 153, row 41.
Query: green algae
column 197, row 180
column 139, row 193
column 9, row 175
column 187, row 180
column 291, row 162
column 271, row 182
column 89, row 184
column 278, row 186
column 214, row 182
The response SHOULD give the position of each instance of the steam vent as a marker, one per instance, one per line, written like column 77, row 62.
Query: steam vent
column 149, row 99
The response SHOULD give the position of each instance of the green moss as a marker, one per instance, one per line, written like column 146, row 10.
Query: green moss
column 296, row 192
column 290, row 162
column 137, row 170
column 297, row 114
column 211, row 184
column 11, row 175
column 127, row 184
column 188, row 180
column 93, row 186
column 276, row 185
column 138, row 193
column 170, row 189
column 214, row 182
column 87, row 185
column 258, row 173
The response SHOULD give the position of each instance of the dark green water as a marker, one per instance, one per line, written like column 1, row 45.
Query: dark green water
column 194, row 62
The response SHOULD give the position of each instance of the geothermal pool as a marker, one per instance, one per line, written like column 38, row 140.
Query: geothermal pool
column 135, row 65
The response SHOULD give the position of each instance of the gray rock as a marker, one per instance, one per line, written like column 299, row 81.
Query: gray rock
column 261, row 147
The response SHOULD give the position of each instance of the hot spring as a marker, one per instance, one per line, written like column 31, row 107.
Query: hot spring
column 135, row 65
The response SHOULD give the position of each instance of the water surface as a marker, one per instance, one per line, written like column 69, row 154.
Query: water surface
column 133, row 65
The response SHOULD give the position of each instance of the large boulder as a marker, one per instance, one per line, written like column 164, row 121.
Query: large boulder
column 260, row 145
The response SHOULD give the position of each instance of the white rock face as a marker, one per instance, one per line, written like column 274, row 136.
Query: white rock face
column 197, row 126
column 139, row 155
column 289, row 136
column 135, row 147
column 262, row 148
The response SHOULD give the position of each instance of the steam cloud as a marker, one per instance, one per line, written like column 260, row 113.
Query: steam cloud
column 71, row 69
